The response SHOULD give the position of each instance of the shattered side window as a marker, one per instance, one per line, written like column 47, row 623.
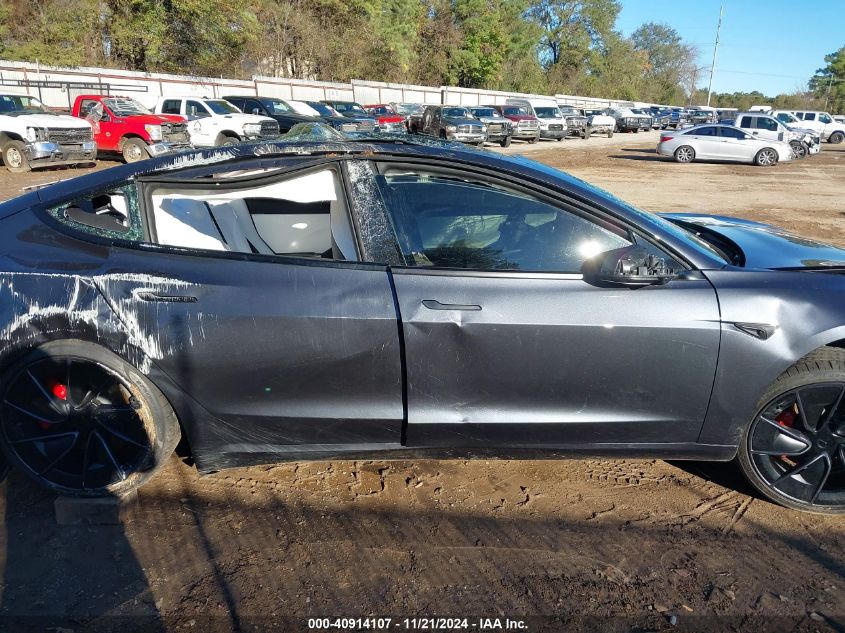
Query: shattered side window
column 375, row 233
column 110, row 213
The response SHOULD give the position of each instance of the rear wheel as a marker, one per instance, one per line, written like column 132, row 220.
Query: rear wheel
column 793, row 452
column 535, row 139
column 766, row 157
column 14, row 157
column 134, row 149
column 610, row 134
column 685, row 154
column 81, row 421
column 505, row 142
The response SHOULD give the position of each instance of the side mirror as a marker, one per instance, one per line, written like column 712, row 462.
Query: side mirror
column 627, row 267
column 256, row 111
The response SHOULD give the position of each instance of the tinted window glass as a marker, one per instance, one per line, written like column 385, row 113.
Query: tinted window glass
column 196, row 109
column 729, row 132
column 171, row 106
column 810, row 116
column 745, row 122
column 704, row 131
column 447, row 221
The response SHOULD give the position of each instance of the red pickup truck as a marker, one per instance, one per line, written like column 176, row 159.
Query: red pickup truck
column 123, row 125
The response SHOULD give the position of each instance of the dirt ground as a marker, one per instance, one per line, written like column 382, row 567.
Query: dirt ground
column 581, row 544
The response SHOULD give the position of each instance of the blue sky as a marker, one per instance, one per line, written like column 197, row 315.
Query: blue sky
column 772, row 46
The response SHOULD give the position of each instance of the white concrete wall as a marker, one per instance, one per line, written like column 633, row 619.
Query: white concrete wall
column 58, row 87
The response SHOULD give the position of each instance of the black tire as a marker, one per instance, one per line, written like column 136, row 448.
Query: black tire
column 534, row 140
column 134, row 150
column 443, row 136
column 836, row 138
column 106, row 403
column 586, row 135
column 637, row 131
column 799, row 149
column 560, row 138
column 14, row 157
column 821, row 374
column 610, row 134
column 684, row 154
column 766, row 157
column 505, row 142
column 223, row 140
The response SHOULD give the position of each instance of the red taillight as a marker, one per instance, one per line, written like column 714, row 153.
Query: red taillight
column 666, row 139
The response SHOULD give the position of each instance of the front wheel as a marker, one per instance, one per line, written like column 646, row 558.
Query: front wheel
column 534, row 140
column 14, row 157
column 685, row 154
column 134, row 149
column 505, row 142
column 610, row 134
column 81, row 421
column 793, row 451
column 799, row 149
column 836, row 138
column 766, row 157
column 224, row 140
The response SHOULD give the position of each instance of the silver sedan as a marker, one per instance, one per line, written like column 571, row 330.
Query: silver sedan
column 722, row 142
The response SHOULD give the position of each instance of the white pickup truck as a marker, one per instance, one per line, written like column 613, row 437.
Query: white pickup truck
column 827, row 127
column 216, row 122
column 33, row 136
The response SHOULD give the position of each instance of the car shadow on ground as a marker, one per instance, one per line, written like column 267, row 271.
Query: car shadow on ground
column 236, row 552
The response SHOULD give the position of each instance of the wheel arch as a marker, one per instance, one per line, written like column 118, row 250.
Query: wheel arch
column 38, row 310
column 131, row 135
column 9, row 136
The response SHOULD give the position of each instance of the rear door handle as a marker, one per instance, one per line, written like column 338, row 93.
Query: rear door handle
column 432, row 304
column 155, row 297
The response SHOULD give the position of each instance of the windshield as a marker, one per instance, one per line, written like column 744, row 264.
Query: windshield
column 276, row 106
column 323, row 109
column 515, row 111
column 548, row 113
column 21, row 104
column 457, row 113
column 218, row 106
column 408, row 108
column 488, row 112
column 124, row 106
column 348, row 107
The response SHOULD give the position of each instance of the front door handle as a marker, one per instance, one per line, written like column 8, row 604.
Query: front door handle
column 432, row 304
column 155, row 297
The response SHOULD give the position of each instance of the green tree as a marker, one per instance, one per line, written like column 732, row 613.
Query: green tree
column 669, row 61
column 828, row 84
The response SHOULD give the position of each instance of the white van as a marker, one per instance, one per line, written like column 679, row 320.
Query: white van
column 552, row 121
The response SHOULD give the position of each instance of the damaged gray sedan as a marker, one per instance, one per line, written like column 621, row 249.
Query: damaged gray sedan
column 386, row 298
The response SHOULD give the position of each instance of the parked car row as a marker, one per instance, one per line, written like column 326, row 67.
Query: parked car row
column 32, row 135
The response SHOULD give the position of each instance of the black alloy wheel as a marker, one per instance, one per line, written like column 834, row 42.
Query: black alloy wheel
column 795, row 448
column 82, row 424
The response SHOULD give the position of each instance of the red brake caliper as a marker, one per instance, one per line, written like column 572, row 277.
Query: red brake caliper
column 59, row 390
column 786, row 418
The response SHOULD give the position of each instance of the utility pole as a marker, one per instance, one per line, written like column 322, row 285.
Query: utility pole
column 715, row 50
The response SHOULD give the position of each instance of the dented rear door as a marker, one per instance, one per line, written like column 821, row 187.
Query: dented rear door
column 292, row 355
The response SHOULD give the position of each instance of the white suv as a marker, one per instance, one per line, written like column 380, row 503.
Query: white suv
column 830, row 130
column 216, row 122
